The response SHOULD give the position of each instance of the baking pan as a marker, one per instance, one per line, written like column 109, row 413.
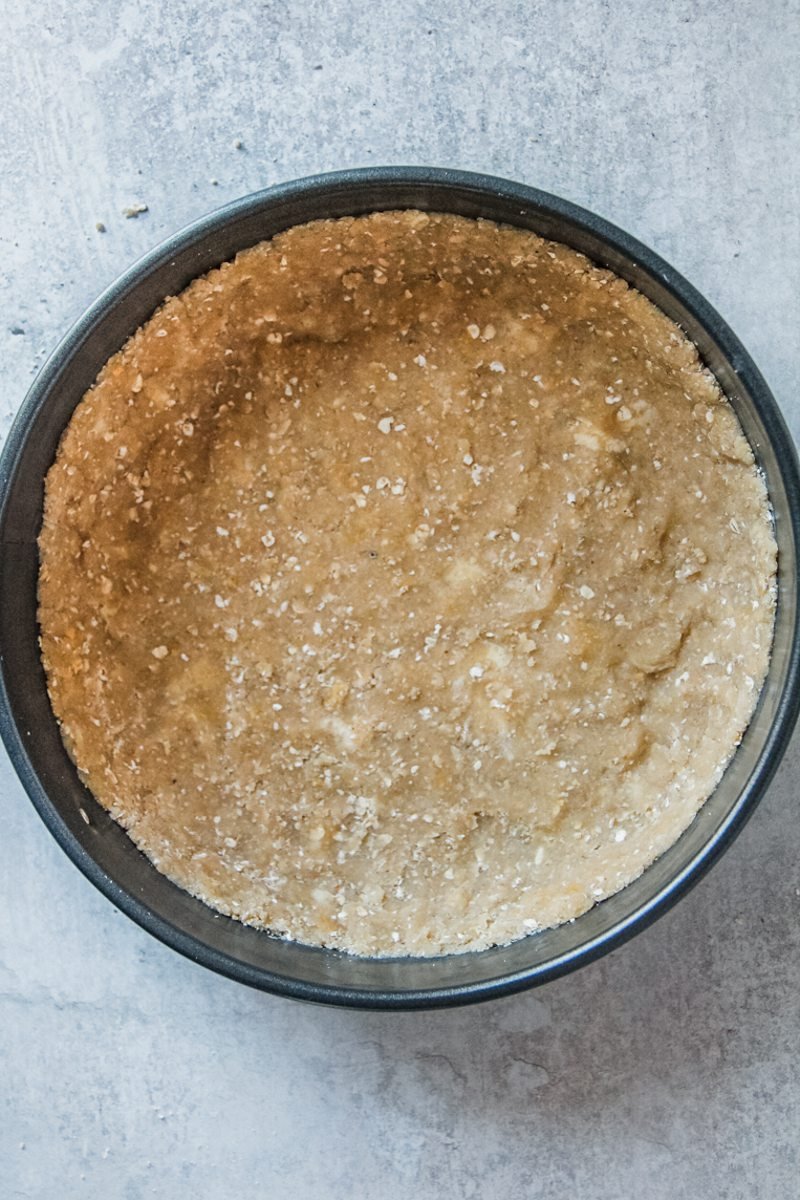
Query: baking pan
column 100, row 847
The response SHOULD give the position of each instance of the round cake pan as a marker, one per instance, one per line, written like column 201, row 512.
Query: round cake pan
column 101, row 849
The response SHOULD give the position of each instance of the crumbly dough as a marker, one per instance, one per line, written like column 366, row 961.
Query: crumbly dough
column 406, row 584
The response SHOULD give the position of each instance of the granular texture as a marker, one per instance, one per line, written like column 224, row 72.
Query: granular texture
column 406, row 584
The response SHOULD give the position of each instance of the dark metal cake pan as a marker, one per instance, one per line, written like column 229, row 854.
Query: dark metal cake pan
column 103, row 850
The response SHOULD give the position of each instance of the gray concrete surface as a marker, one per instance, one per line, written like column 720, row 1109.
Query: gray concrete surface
column 666, row 1070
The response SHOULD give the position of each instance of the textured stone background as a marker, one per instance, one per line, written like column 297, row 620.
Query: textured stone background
column 670, row 1068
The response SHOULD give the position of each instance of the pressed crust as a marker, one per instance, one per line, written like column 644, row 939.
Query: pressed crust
column 406, row 584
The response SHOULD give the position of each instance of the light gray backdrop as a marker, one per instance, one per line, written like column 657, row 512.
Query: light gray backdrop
column 666, row 1070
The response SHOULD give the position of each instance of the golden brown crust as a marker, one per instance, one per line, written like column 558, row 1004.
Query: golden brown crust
column 406, row 584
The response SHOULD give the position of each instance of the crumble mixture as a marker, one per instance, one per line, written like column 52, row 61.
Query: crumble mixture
column 406, row 584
